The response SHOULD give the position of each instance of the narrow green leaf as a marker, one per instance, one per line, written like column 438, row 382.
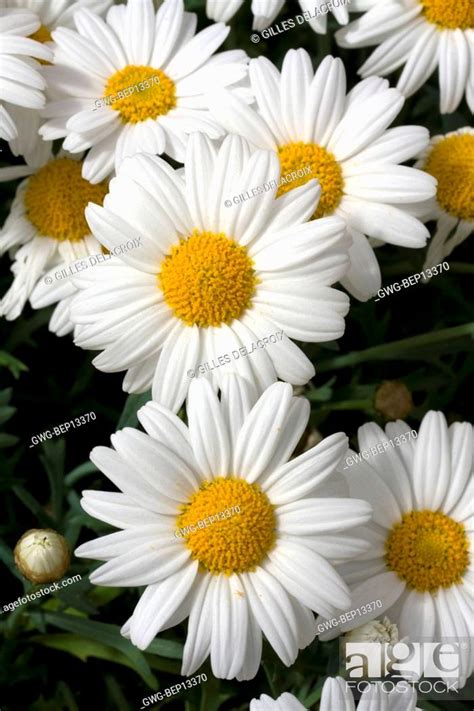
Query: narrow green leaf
column 7, row 440
column 106, row 634
column 34, row 506
column 52, row 459
column 84, row 648
column 419, row 347
column 6, row 413
column 15, row 366
column 79, row 473
column 129, row 418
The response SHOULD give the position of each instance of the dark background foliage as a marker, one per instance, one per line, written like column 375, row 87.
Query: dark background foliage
column 65, row 651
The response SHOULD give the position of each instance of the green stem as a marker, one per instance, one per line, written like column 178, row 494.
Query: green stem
column 346, row 405
column 272, row 686
column 387, row 351
column 461, row 268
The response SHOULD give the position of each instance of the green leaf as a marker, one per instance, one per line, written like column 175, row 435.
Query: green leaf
column 5, row 396
column 6, row 556
column 79, row 472
column 84, row 648
column 6, row 413
column 52, row 459
column 119, row 702
column 14, row 365
column 7, row 440
column 129, row 418
column 34, row 506
column 323, row 393
column 105, row 634
column 426, row 345
column 166, row 648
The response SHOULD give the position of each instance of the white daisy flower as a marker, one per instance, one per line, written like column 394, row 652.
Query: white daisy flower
column 46, row 228
column 220, row 527
column 421, row 35
column 419, row 564
column 309, row 121
column 210, row 279
column 50, row 14
column 21, row 84
column 336, row 696
column 285, row 702
column 450, row 159
column 134, row 83
column 265, row 11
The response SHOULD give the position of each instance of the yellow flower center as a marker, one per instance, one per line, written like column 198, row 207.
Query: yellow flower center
column 324, row 167
column 56, row 198
column 428, row 550
column 449, row 14
column 42, row 35
column 207, row 279
column 451, row 162
column 230, row 544
column 139, row 93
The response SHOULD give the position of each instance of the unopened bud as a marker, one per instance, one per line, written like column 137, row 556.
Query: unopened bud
column 42, row 555
column 393, row 400
column 382, row 631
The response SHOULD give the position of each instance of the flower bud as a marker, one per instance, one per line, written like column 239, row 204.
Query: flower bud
column 42, row 555
column 393, row 400
column 374, row 631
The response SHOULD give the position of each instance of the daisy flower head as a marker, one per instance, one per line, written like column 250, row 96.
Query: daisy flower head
column 285, row 702
column 419, row 35
column 336, row 696
column 222, row 528
column 50, row 14
column 265, row 11
column 210, row 278
column 21, row 84
column 134, row 83
column 309, row 121
column 420, row 560
column 450, row 159
column 46, row 227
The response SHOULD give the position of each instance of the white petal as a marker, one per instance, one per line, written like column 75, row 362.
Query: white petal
column 418, row 617
column 207, row 430
column 229, row 627
column 289, row 563
column 302, row 476
column 386, row 587
column 421, row 62
column 363, row 124
column 462, row 446
column 432, row 454
column 179, row 354
column 158, row 603
column 261, row 432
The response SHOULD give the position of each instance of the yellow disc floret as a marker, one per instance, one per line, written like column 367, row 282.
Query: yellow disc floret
column 42, row 35
column 449, row 14
column 428, row 550
column 324, row 167
column 207, row 279
column 230, row 544
column 56, row 197
column 451, row 162
column 139, row 93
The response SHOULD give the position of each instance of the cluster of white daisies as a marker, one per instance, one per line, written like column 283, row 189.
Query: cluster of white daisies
column 211, row 276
